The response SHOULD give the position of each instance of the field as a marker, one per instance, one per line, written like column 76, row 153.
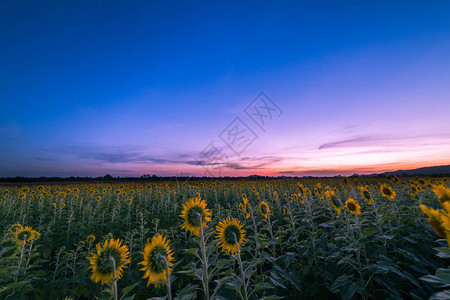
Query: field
column 345, row 238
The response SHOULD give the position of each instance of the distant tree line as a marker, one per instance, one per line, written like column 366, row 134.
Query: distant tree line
column 154, row 178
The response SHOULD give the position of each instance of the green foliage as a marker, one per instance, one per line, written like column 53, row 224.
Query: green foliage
column 305, row 249
column 442, row 277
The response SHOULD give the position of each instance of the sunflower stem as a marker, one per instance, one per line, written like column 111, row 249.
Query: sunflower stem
column 255, row 229
column 271, row 234
column 291, row 220
column 21, row 257
column 166, row 264
column 114, row 278
column 358, row 252
column 244, row 284
column 205, row 259
column 29, row 254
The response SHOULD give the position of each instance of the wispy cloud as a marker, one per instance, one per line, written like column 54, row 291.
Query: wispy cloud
column 255, row 163
column 44, row 158
column 133, row 156
column 120, row 171
column 358, row 141
column 386, row 140
column 120, row 155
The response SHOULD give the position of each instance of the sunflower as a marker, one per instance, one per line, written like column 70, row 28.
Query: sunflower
column 301, row 188
column 36, row 235
column 25, row 234
column 101, row 264
column 442, row 192
column 445, row 218
column 230, row 234
column 365, row 194
column 264, row 209
column 90, row 238
column 15, row 228
column 440, row 222
column 244, row 207
column 333, row 200
column 153, row 263
column 352, row 206
column 275, row 195
column 387, row 191
column 195, row 214
column 62, row 205
column 129, row 200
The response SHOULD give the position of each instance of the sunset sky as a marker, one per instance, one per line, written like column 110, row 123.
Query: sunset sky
column 127, row 88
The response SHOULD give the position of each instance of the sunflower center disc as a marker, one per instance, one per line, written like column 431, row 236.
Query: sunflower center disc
column 105, row 265
column 24, row 235
column 229, row 236
column 264, row 209
column 156, row 262
column 193, row 217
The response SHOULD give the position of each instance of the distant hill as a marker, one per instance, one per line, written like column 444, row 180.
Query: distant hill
column 426, row 171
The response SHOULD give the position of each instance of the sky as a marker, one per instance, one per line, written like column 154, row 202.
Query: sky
column 193, row 88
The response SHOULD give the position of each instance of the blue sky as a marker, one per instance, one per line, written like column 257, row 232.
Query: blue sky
column 142, row 87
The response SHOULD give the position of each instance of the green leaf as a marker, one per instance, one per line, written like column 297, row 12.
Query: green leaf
column 220, row 282
column 444, row 295
column 199, row 273
column 386, row 237
column 8, row 248
column 443, row 252
column 193, row 251
column 236, row 284
column 276, row 280
column 187, row 290
column 440, row 279
column 340, row 282
column 128, row 289
column 268, row 257
column 263, row 286
column 222, row 263
column 355, row 287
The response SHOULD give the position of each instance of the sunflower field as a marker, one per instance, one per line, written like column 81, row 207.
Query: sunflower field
column 286, row 238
